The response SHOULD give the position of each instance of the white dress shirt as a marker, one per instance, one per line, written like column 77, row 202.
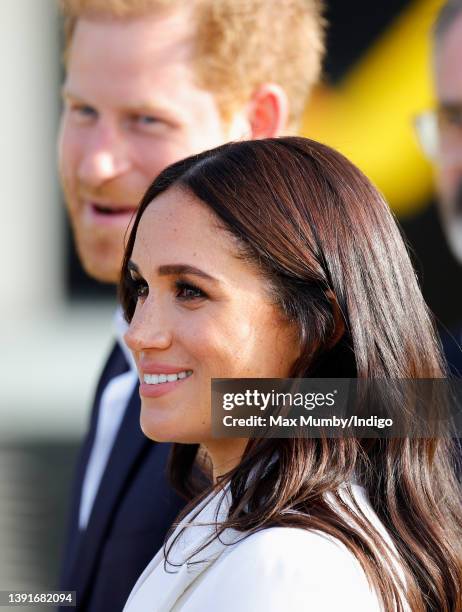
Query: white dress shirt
column 114, row 401
column 273, row 570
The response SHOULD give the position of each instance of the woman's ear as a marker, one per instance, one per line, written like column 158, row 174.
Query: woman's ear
column 339, row 320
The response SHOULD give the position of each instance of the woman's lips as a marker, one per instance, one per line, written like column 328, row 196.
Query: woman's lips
column 146, row 366
column 161, row 388
column 157, row 384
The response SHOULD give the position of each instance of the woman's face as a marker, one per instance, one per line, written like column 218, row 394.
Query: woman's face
column 201, row 313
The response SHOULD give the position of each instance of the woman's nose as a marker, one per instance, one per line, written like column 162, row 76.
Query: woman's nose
column 148, row 329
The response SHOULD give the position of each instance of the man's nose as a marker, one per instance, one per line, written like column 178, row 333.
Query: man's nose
column 150, row 329
column 105, row 156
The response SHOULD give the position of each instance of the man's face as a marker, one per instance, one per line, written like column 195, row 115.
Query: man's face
column 448, row 76
column 131, row 108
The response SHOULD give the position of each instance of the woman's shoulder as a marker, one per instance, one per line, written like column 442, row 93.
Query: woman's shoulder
column 290, row 568
column 279, row 539
column 300, row 550
column 307, row 544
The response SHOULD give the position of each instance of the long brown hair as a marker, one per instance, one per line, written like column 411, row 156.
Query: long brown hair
column 316, row 227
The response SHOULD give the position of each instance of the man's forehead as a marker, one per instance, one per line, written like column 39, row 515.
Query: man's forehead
column 132, row 43
column 137, row 61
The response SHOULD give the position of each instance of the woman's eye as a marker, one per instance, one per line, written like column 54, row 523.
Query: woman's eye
column 141, row 289
column 138, row 287
column 186, row 291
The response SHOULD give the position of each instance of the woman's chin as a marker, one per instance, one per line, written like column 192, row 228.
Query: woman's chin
column 167, row 432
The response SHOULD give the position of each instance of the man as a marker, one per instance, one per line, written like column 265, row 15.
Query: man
column 149, row 82
column 441, row 136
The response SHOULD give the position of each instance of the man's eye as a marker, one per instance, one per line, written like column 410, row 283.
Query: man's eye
column 145, row 121
column 455, row 118
column 83, row 110
column 451, row 117
column 187, row 291
column 148, row 119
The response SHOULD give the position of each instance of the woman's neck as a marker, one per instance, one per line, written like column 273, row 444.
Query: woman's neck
column 224, row 454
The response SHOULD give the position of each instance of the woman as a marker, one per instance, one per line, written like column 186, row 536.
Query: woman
column 278, row 258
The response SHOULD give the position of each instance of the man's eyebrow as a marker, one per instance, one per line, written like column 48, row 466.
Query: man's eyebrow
column 66, row 92
column 160, row 107
column 185, row 269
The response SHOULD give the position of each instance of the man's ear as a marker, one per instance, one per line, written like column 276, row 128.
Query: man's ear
column 268, row 111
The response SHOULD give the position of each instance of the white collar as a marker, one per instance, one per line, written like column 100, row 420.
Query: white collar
column 170, row 579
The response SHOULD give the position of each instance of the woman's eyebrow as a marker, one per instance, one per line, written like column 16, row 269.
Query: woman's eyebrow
column 185, row 269
column 172, row 269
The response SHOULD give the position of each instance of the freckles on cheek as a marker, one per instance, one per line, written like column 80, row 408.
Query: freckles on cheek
column 243, row 352
column 217, row 353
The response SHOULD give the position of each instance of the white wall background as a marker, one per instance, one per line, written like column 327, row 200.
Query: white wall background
column 50, row 350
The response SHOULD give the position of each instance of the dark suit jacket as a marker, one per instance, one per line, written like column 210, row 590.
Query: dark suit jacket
column 451, row 341
column 133, row 509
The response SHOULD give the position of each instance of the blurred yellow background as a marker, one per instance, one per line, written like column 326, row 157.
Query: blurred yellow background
column 368, row 116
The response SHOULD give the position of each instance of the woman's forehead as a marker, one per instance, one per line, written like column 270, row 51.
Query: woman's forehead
column 176, row 225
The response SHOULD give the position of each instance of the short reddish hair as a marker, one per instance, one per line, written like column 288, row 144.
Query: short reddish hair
column 240, row 44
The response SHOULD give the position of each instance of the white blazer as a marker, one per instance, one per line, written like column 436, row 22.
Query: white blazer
column 279, row 569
